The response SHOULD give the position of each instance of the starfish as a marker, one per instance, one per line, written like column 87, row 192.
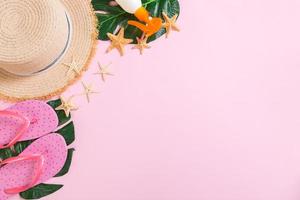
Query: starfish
column 142, row 44
column 88, row 90
column 67, row 106
column 170, row 23
column 73, row 66
column 103, row 71
column 118, row 41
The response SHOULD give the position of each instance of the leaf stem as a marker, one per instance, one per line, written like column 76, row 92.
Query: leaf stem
column 151, row 1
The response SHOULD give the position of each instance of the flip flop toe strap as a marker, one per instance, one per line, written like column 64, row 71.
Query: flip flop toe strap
column 23, row 128
column 40, row 160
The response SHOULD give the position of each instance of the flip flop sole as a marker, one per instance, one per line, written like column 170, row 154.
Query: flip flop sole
column 54, row 149
column 42, row 116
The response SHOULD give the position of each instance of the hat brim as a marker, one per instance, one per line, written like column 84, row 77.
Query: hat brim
column 55, row 80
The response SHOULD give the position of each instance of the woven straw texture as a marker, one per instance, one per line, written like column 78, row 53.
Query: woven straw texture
column 32, row 34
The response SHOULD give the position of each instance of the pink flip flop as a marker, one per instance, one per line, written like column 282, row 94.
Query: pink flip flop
column 39, row 162
column 25, row 121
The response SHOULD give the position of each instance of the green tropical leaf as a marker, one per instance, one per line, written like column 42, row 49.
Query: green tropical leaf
column 40, row 191
column 67, row 165
column 20, row 146
column 68, row 132
column 6, row 153
column 60, row 113
column 112, row 17
column 15, row 150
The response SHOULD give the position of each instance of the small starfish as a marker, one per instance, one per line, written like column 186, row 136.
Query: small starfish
column 73, row 66
column 118, row 41
column 66, row 105
column 88, row 90
column 170, row 23
column 142, row 44
column 103, row 71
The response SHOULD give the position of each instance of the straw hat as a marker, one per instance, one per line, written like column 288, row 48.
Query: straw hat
column 45, row 45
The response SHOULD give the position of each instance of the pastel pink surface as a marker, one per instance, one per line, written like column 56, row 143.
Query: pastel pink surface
column 54, row 150
column 43, row 117
column 212, row 113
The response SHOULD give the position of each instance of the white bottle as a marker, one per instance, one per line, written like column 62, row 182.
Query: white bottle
column 130, row 6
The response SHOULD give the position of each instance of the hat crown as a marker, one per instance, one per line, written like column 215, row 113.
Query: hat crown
column 33, row 35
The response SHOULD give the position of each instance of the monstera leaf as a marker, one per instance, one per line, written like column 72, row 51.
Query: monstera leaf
column 67, row 164
column 60, row 114
column 40, row 191
column 112, row 17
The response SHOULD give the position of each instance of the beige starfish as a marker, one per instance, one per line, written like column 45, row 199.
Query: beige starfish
column 103, row 71
column 67, row 106
column 73, row 66
column 170, row 24
column 141, row 44
column 88, row 90
column 118, row 41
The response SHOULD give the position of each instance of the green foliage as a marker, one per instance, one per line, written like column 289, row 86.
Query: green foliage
column 67, row 165
column 40, row 191
column 110, row 17
column 68, row 133
column 6, row 153
column 16, row 150
column 20, row 146
column 60, row 113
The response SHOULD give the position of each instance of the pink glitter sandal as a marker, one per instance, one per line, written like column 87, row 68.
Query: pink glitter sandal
column 25, row 121
column 39, row 162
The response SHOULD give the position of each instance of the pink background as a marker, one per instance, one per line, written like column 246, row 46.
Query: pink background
column 213, row 113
